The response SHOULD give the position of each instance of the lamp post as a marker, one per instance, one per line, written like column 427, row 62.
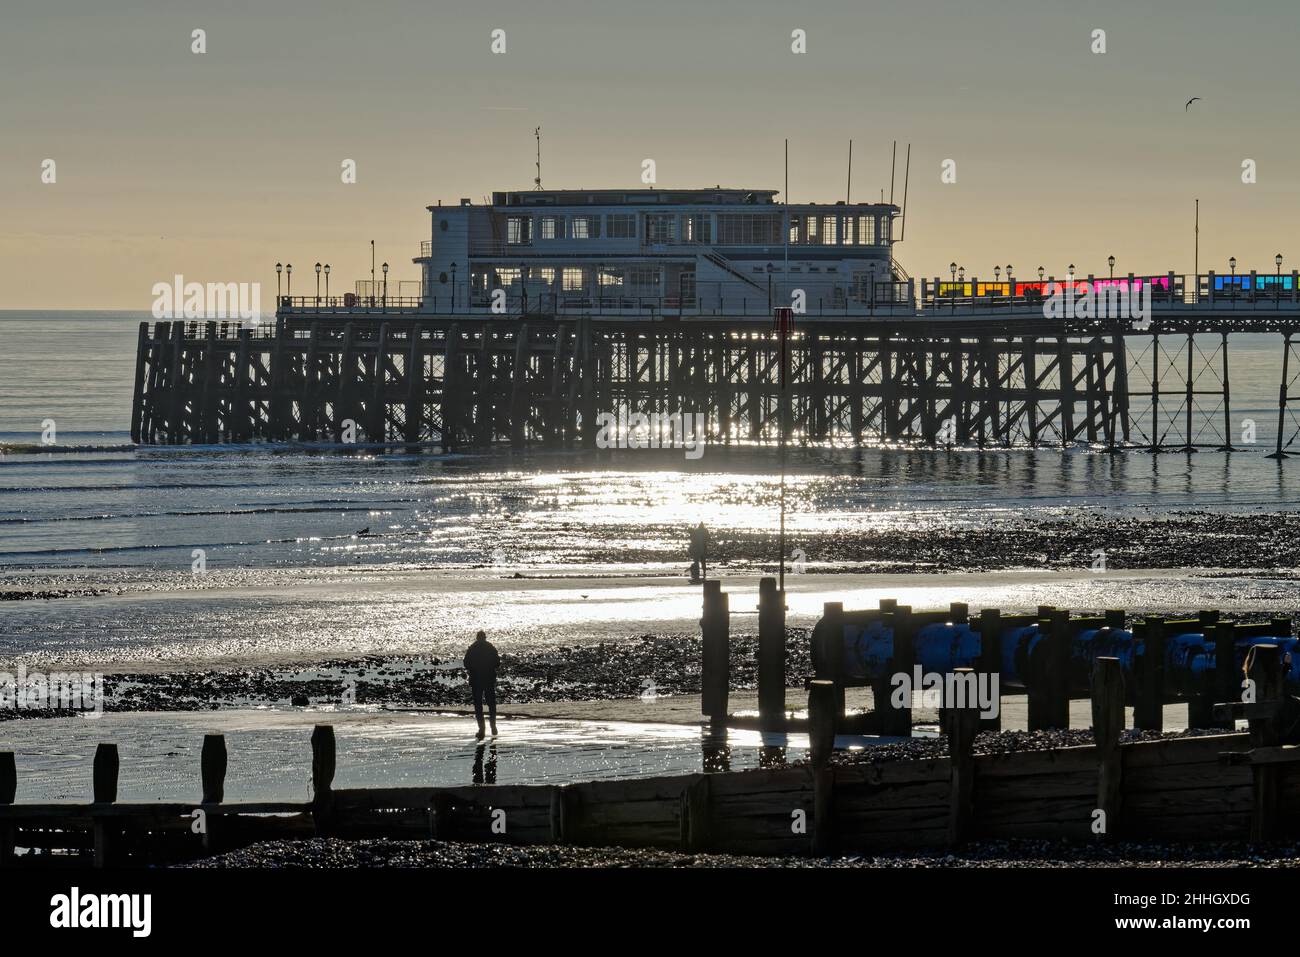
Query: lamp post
column 997, row 273
column 327, row 283
column 952, row 268
column 1041, row 271
column 1110, row 261
column 961, row 273
column 1232, row 264
column 279, row 268
column 1277, row 261
column 1070, row 272
column 288, row 280
column 318, row 267
column 385, row 268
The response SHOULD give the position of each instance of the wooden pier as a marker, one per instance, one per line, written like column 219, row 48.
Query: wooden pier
column 476, row 382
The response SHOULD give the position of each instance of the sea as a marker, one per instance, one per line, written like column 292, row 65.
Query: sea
column 228, row 553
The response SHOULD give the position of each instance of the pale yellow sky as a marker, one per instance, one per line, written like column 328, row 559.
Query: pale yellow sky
column 216, row 165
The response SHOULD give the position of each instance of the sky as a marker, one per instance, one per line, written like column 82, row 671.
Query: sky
column 216, row 165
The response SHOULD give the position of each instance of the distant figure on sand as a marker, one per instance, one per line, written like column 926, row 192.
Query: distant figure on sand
column 481, row 662
column 698, row 552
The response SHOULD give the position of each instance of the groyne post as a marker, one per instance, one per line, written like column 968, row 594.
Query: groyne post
column 961, row 721
column 322, row 776
column 104, row 788
column 771, row 655
column 715, row 626
column 1107, row 725
column 1264, row 673
column 990, row 662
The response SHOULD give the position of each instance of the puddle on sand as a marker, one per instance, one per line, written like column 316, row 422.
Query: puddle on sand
column 270, row 752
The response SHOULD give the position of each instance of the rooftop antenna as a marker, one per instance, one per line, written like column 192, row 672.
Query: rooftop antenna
column 893, row 165
column 848, row 188
column 907, row 169
column 537, row 180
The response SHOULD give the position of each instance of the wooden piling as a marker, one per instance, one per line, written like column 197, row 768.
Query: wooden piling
column 104, row 784
column 1200, row 703
column 1107, row 725
column 771, row 655
column 8, row 792
column 696, row 815
column 1264, row 671
column 715, row 626
column 322, row 776
column 897, row 722
column 829, row 662
column 822, row 717
column 990, row 663
column 823, row 828
column 1149, row 669
column 1048, row 681
column 1227, row 676
column 961, row 724
column 212, row 768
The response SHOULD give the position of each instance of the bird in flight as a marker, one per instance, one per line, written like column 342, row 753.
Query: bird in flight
column 1189, row 103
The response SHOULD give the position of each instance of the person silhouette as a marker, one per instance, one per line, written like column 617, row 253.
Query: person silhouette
column 698, row 551
column 481, row 663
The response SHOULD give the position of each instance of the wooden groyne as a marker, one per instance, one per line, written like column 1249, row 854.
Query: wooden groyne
column 472, row 381
column 1208, row 788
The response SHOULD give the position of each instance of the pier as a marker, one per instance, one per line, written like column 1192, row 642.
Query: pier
column 940, row 364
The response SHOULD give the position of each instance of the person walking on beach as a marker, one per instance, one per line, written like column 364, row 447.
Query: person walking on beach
column 698, row 551
column 481, row 662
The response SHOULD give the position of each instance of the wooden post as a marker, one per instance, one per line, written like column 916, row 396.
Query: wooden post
column 8, row 791
column 104, row 783
column 212, row 768
column 1107, row 724
column 991, row 662
column 823, row 830
column 897, row 722
column 1115, row 618
column 561, row 814
column 1227, row 678
column 105, row 773
column 830, row 653
column 1048, row 681
column 771, row 656
column 696, row 814
column 715, row 660
column 322, row 776
column 1264, row 670
column 1148, row 709
column 961, row 723
column 821, row 721
column 1200, row 705
column 958, row 612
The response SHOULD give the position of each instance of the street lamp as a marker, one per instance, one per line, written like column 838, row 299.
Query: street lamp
column 1232, row 264
column 1070, row 272
column 961, row 273
column 288, row 280
column 997, row 273
column 952, row 268
column 279, row 268
column 1277, row 261
column 327, row 282
column 318, row 285
column 1110, row 261
column 1041, row 271
column 385, row 268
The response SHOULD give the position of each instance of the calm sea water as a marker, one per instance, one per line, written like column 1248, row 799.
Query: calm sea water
column 262, row 516
column 266, row 507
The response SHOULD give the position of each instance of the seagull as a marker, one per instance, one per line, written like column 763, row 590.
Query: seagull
column 1189, row 103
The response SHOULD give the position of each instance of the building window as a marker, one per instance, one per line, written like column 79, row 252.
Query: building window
column 610, row 281
column 810, row 230
column 506, row 276
column 645, row 281
column 696, row 228
column 621, row 226
column 748, row 229
column 552, row 227
column 829, row 231
column 584, row 227
column 660, row 228
column 866, row 230
column 518, row 230
column 573, row 279
column 547, row 274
